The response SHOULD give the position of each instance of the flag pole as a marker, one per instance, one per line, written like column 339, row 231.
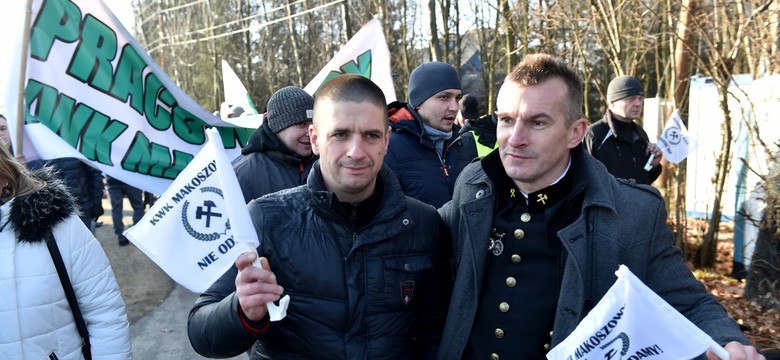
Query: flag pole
column 20, row 113
column 719, row 351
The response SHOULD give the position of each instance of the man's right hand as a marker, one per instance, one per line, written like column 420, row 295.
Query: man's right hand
column 255, row 287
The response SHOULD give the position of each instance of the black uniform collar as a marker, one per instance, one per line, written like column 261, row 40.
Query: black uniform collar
column 509, row 195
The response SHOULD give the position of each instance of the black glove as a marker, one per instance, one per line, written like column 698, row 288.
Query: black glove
column 97, row 210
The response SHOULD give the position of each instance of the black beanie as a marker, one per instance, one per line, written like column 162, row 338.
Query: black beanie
column 288, row 106
column 428, row 79
column 622, row 87
column 469, row 107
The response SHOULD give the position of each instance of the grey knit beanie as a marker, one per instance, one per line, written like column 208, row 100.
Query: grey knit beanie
column 288, row 106
column 428, row 79
column 622, row 87
column 469, row 107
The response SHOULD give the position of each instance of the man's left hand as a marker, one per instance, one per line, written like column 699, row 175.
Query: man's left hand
column 738, row 351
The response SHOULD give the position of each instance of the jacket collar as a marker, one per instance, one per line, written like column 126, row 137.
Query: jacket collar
column 585, row 169
column 35, row 214
column 405, row 118
column 618, row 129
column 328, row 204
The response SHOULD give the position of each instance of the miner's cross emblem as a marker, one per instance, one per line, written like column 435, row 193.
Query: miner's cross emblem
column 542, row 198
column 208, row 213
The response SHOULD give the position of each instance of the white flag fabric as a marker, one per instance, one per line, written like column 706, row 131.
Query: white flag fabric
column 92, row 92
column 235, row 91
column 632, row 322
column 674, row 141
column 197, row 229
column 365, row 54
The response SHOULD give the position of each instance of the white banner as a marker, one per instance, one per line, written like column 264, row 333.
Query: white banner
column 632, row 322
column 674, row 141
column 196, row 229
column 366, row 54
column 235, row 92
column 93, row 92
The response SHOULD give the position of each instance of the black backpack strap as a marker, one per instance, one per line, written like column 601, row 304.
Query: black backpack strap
column 62, row 272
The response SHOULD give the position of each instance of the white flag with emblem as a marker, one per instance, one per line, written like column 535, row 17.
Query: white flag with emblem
column 633, row 322
column 674, row 141
column 200, row 225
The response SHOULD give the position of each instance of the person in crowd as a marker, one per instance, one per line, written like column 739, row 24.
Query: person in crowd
column 427, row 152
column 117, row 191
column 468, row 110
column 483, row 127
column 149, row 199
column 5, row 133
column 235, row 111
column 34, row 312
column 619, row 142
column 278, row 155
column 83, row 181
column 5, row 137
column 539, row 228
column 364, row 266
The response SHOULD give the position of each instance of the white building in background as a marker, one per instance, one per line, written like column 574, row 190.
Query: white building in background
column 754, row 104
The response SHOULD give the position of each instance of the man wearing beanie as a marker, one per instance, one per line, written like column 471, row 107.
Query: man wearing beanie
column 617, row 141
column 278, row 155
column 426, row 151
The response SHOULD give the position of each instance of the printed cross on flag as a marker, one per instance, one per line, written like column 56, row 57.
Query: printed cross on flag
column 674, row 141
column 631, row 322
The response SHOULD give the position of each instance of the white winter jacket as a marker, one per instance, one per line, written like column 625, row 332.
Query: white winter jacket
column 35, row 319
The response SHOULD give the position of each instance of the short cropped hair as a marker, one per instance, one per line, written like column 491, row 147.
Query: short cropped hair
column 352, row 88
column 536, row 68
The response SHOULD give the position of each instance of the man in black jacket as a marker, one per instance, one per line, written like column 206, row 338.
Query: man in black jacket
column 278, row 155
column 365, row 267
column 618, row 142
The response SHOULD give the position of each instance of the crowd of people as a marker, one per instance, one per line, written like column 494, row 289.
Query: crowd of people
column 416, row 230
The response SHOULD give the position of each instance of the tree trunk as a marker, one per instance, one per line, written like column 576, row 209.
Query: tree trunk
column 445, row 20
column 435, row 47
column 681, row 83
column 294, row 42
column 705, row 256
column 345, row 19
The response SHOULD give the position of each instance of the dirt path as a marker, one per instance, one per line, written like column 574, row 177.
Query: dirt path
column 144, row 286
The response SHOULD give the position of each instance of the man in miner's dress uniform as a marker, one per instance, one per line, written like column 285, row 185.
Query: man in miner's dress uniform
column 522, row 271
column 539, row 228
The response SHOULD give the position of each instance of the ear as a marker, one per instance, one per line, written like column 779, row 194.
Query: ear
column 313, row 137
column 577, row 132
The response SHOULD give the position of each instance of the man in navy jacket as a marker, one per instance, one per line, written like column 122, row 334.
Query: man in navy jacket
column 426, row 151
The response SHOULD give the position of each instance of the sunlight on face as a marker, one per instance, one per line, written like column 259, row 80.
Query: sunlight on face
column 534, row 140
column 351, row 139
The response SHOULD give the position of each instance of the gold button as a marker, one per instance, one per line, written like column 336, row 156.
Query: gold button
column 526, row 217
column 547, row 346
column 550, row 333
column 494, row 356
column 499, row 333
column 511, row 282
column 519, row 234
column 504, row 307
column 516, row 258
